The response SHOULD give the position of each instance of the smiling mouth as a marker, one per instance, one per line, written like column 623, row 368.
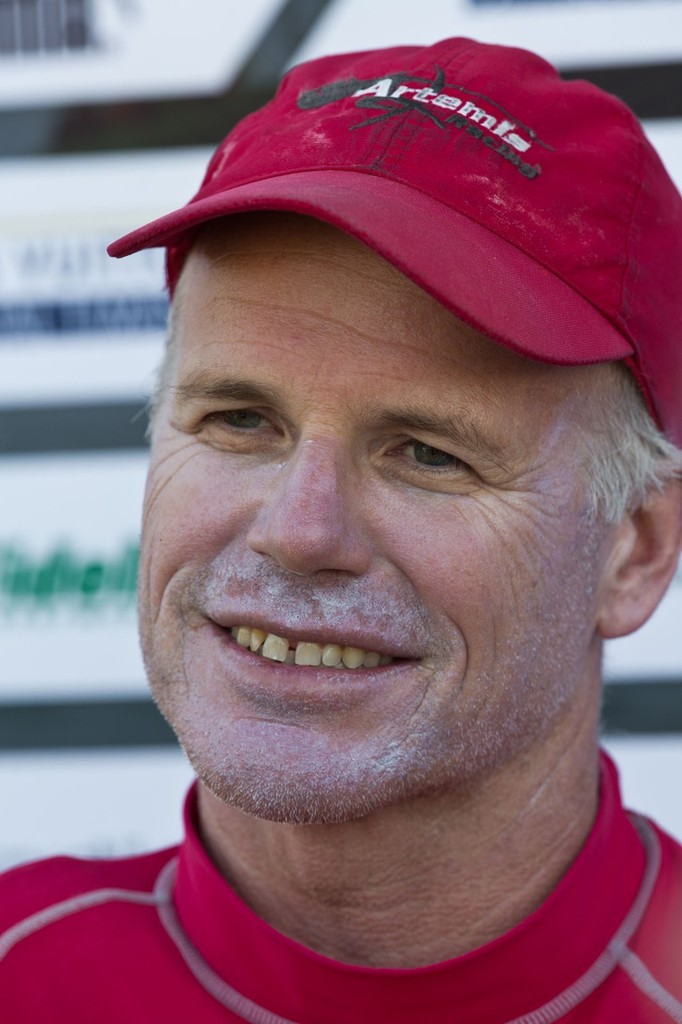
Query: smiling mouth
column 303, row 652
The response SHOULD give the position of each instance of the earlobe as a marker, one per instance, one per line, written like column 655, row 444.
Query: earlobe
column 644, row 554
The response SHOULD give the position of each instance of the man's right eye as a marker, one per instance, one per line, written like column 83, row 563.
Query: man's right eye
column 242, row 419
column 245, row 430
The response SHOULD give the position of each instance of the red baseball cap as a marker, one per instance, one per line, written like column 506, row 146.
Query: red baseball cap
column 533, row 208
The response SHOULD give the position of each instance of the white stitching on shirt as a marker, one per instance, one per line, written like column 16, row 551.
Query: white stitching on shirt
column 646, row 983
column 210, row 981
column 57, row 911
column 616, row 949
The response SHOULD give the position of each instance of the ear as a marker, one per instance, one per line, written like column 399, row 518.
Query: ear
column 644, row 554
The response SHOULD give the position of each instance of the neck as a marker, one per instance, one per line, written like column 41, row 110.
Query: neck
column 419, row 882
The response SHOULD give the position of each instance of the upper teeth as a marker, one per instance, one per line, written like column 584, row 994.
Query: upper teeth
column 302, row 652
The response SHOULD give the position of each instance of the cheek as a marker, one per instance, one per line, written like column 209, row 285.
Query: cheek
column 461, row 553
column 491, row 566
column 193, row 508
column 542, row 568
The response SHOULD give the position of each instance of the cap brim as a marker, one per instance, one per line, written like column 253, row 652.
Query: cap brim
column 490, row 284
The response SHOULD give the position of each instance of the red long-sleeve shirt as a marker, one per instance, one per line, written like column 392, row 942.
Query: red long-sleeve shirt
column 162, row 937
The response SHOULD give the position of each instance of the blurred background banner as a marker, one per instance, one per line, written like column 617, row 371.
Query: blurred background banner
column 67, row 51
column 570, row 33
column 108, row 112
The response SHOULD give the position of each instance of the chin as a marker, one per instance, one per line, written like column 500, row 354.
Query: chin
column 344, row 788
column 288, row 805
column 296, row 798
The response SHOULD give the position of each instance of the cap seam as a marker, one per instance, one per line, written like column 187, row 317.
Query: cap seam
column 401, row 138
column 392, row 132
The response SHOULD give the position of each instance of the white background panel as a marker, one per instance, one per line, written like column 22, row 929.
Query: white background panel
column 142, row 49
column 572, row 33
column 666, row 137
column 100, row 804
column 654, row 651
column 58, row 214
column 66, row 643
column 79, row 370
column 97, row 191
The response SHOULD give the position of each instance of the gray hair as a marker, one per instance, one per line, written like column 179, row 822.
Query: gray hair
column 627, row 456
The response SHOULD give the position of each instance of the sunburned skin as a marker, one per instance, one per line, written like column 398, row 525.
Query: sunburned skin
column 294, row 440
column 339, row 463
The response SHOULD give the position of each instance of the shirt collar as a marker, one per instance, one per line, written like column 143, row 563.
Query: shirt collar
column 514, row 975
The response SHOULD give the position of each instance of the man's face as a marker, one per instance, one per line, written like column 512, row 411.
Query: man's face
column 341, row 463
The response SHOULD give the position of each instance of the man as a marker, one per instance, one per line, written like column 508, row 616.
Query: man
column 415, row 454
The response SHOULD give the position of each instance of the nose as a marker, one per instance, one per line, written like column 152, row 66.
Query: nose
column 309, row 521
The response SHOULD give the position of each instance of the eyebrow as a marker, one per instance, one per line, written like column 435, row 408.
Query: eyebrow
column 199, row 387
column 462, row 431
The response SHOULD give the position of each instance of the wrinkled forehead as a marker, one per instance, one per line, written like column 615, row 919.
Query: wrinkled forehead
column 243, row 265
column 281, row 238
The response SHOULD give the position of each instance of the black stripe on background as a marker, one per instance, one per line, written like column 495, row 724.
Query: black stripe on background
column 629, row 708
column 49, row 429
column 652, row 90
column 81, row 725
column 642, row 707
